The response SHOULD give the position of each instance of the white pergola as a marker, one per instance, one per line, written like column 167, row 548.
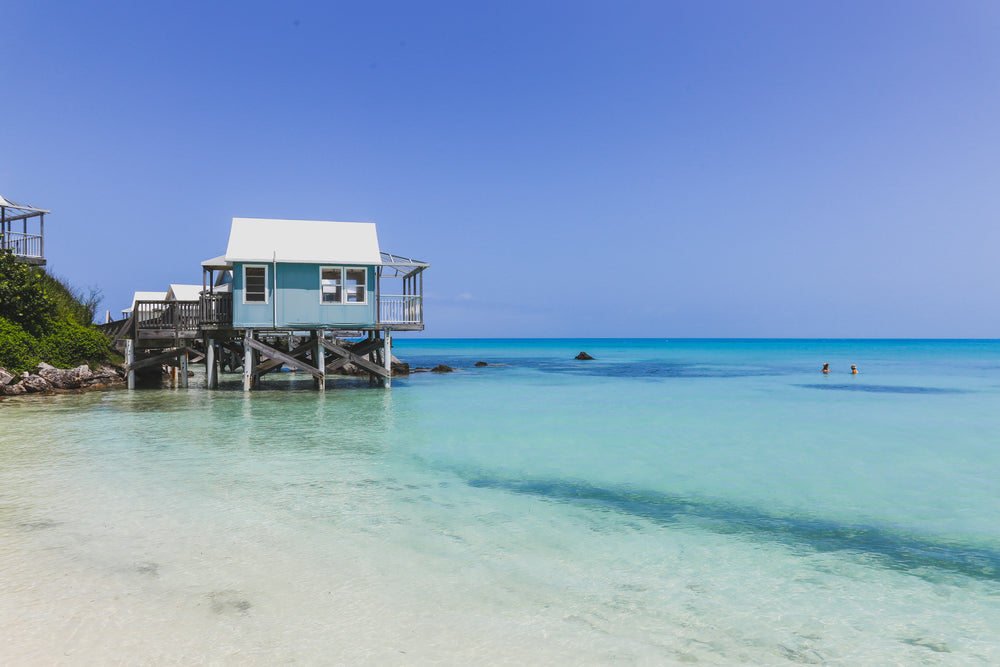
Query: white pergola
column 27, row 246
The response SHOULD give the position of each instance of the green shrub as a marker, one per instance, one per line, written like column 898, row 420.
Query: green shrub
column 68, row 344
column 23, row 295
column 43, row 319
column 17, row 348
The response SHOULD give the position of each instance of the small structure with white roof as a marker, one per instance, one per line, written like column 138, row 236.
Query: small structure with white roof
column 315, row 282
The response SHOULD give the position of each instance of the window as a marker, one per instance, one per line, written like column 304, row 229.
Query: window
column 339, row 285
column 254, row 284
column 329, row 284
column 355, row 281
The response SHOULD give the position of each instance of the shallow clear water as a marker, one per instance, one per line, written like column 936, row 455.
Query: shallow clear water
column 668, row 502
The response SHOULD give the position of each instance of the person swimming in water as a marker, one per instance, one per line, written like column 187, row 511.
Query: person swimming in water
column 826, row 367
column 854, row 369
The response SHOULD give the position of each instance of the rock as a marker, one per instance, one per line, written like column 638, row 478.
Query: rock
column 480, row 364
column 441, row 368
column 57, row 377
column 13, row 390
column 35, row 383
column 83, row 372
column 583, row 356
column 400, row 368
column 5, row 377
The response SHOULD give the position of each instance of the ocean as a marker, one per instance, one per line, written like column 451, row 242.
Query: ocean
column 670, row 502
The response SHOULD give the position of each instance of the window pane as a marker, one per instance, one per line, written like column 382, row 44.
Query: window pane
column 256, row 284
column 330, row 282
column 355, row 280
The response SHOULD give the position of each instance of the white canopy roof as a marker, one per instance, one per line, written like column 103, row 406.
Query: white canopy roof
column 302, row 241
column 6, row 203
column 216, row 263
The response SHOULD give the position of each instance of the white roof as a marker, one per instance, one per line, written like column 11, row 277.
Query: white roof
column 302, row 241
column 184, row 292
column 146, row 296
column 217, row 263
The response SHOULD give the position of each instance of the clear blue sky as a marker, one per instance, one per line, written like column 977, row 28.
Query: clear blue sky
column 658, row 168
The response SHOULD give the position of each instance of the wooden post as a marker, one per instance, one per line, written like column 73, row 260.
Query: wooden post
column 211, row 369
column 129, row 360
column 319, row 360
column 247, row 359
column 184, row 367
column 387, row 357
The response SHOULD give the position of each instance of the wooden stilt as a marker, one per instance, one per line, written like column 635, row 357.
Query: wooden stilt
column 211, row 369
column 387, row 357
column 247, row 359
column 183, row 358
column 319, row 359
column 129, row 360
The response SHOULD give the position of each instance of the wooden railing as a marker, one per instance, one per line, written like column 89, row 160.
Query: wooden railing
column 22, row 245
column 400, row 309
column 177, row 315
column 216, row 309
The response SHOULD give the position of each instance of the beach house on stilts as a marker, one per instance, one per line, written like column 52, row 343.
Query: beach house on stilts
column 313, row 296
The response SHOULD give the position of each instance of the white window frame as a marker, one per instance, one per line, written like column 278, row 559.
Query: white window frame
column 331, row 268
column 245, row 286
column 343, row 286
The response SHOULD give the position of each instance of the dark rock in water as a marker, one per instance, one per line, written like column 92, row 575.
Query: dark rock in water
column 583, row 356
column 480, row 364
column 441, row 368
column 400, row 368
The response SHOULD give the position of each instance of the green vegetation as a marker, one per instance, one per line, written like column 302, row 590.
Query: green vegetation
column 42, row 319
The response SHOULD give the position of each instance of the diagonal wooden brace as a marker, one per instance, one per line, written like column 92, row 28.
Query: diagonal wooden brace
column 271, row 364
column 157, row 359
column 348, row 356
column 286, row 359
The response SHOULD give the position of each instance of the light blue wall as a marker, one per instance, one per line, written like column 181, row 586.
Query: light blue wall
column 251, row 314
column 297, row 304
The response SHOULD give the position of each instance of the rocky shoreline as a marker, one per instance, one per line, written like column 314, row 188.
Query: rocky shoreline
column 48, row 379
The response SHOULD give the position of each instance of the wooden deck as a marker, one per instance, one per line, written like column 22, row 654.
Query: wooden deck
column 171, row 333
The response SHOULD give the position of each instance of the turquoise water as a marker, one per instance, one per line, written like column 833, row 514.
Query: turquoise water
column 681, row 501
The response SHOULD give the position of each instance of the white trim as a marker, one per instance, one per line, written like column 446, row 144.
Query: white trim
column 343, row 286
column 266, row 290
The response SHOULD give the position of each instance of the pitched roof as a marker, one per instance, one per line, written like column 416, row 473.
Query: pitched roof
column 145, row 296
column 302, row 241
column 184, row 292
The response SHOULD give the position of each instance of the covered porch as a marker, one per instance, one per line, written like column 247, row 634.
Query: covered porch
column 22, row 231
